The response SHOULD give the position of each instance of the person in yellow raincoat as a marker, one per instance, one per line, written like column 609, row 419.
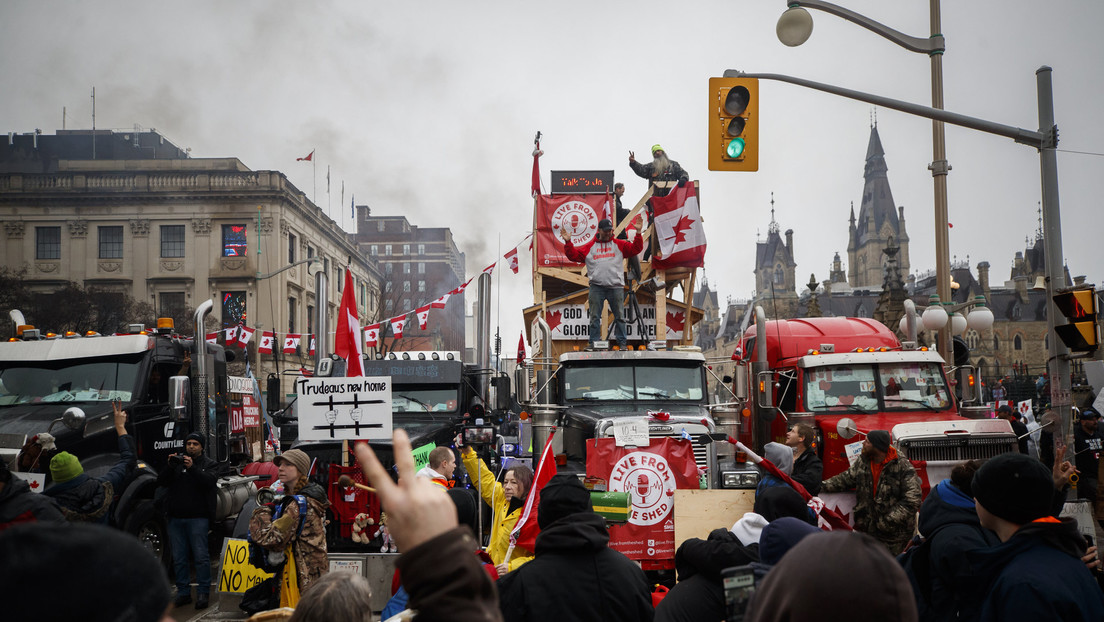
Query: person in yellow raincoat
column 507, row 500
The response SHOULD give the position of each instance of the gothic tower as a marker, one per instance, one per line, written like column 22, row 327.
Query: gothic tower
column 878, row 221
column 774, row 269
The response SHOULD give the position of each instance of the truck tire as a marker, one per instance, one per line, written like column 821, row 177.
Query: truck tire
column 151, row 529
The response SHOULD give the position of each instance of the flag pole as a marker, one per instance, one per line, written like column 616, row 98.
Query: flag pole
column 314, row 179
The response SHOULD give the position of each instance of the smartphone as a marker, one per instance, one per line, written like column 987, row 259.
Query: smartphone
column 739, row 585
column 479, row 434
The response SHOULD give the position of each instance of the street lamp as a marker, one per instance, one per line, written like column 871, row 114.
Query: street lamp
column 935, row 316
column 794, row 28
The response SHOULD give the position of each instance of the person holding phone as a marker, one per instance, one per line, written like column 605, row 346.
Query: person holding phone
column 507, row 499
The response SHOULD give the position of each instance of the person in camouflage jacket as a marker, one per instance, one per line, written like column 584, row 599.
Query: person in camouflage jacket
column 309, row 546
column 887, row 492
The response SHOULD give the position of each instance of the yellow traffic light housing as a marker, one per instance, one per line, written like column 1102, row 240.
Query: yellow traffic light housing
column 1079, row 307
column 734, row 124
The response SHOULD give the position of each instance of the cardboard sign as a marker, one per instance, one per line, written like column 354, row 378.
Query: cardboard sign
column 854, row 450
column 236, row 574
column 237, row 384
column 344, row 408
column 631, row 432
column 421, row 455
column 251, row 412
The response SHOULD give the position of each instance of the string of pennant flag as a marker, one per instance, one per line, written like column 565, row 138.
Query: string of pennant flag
column 240, row 335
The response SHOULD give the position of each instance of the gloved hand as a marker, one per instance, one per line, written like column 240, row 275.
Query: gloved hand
column 682, row 182
column 284, row 523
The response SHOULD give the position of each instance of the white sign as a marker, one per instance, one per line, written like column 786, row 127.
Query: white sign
column 344, row 408
column 237, row 384
column 573, row 322
column 37, row 481
column 853, row 450
column 631, row 432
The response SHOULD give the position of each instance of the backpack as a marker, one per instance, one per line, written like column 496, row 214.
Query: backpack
column 273, row 561
column 916, row 562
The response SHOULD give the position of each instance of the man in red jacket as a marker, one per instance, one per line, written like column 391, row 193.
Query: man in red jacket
column 603, row 256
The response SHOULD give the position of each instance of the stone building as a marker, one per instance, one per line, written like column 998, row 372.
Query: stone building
column 775, row 279
column 878, row 221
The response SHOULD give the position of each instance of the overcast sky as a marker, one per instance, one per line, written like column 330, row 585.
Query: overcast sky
column 428, row 109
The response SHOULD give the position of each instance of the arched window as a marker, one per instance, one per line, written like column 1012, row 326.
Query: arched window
column 779, row 275
column 1017, row 311
column 996, row 343
column 1017, row 343
column 861, row 311
column 972, row 339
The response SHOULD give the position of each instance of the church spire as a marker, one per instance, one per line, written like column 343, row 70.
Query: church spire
column 773, row 226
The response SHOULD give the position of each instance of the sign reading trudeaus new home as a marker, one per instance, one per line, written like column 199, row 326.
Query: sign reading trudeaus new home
column 344, row 408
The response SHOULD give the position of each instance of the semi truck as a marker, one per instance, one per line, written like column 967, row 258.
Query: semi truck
column 63, row 386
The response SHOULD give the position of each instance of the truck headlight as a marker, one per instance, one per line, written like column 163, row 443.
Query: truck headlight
column 739, row 479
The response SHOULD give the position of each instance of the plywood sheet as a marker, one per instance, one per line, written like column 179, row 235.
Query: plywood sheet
column 697, row 512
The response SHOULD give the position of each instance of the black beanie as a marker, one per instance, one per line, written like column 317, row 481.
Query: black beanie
column 1014, row 487
column 562, row 495
column 778, row 501
column 196, row 436
column 879, row 439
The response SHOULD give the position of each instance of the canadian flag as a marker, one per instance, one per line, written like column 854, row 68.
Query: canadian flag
column 606, row 207
column 679, row 230
column 460, row 289
column 230, row 336
column 244, row 335
column 311, row 353
column 423, row 316
column 307, row 158
column 511, row 258
column 489, row 269
column 397, row 325
column 440, row 302
column 347, row 338
column 265, row 346
column 526, row 530
column 212, row 337
column 371, row 334
column 521, row 349
column 1024, row 408
column 291, row 343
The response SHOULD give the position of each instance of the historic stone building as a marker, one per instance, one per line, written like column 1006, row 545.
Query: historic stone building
column 775, row 279
column 879, row 220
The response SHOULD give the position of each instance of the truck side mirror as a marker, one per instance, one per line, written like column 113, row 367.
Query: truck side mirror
column 764, row 390
column 521, row 384
column 967, row 384
column 501, row 384
column 272, row 390
column 180, row 391
column 740, row 386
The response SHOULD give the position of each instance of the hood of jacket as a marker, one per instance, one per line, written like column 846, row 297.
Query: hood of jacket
column 581, row 531
column 313, row 490
column 1063, row 536
column 946, row 505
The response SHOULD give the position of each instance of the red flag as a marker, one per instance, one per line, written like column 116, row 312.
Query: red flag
column 311, row 352
column 679, row 230
column 212, row 337
column 423, row 316
column 526, row 530
column 521, row 349
column 244, row 335
column 489, row 269
column 537, row 153
column 310, row 156
column 347, row 338
column 606, row 207
column 291, row 343
column 371, row 334
column 440, row 302
column 828, row 519
column 231, row 336
column 511, row 258
column 397, row 325
column 265, row 346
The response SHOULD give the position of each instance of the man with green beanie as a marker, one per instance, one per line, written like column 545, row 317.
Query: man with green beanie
column 88, row 499
column 661, row 168
column 190, row 503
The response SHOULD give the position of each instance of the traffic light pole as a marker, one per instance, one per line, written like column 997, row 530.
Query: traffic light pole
column 1045, row 140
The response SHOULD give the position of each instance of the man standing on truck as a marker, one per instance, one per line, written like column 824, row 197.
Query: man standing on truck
column 86, row 499
column 887, row 492
column 661, row 168
column 189, row 504
column 603, row 256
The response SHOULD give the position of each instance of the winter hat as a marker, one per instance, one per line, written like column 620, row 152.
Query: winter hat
column 749, row 528
column 196, row 436
column 656, row 148
column 64, row 467
column 296, row 458
column 879, row 439
column 105, row 574
column 778, row 501
column 562, row 495
column 780, row 536
column 604, row 224
column 1014, row 487
column 781, row 455
column 1005, row 409
column 1089, row 413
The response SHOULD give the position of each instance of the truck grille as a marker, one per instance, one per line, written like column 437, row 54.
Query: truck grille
column 957, row 449
column 701, row 452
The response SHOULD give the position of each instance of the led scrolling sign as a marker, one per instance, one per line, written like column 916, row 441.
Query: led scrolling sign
column 582, row 182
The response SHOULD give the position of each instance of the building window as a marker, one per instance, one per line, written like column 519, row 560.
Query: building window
column 421, row 286
column 421, row 249
column 779, row 276
column 381, row 226
column 291, row 247
column 421, row 267
column 1017, row 311
column 326, row 265
column 387, row 249
column 47, row 242
column 389, row 306
column 862, row 312
column 996, row 343
column 310, row 252
column 972, row 339
column 293, row 310
column 1017, row 343
column 387, row 287
column 363, row 297
column 406, row 303
column 310, row 319
column 406, row 286
column 233, row 241
column 111, row 242
column 373, row 250
column 172, row 241
column 406, row 249
column 388, row 268
column 172, row 304
column 406, row 267
column 233, row 309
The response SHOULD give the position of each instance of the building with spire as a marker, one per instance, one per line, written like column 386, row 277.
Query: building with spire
column 775, row 281
column 878, row 221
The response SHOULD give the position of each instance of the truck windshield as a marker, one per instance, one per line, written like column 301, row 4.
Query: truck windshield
column 876, row 387
column 642, row 382
column 82, row 380
column 423, row 399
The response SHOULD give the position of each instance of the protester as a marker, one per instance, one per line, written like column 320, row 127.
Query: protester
column 304, row 539
column 336, row 597
column 637, row 224
column 1018, row 427
column 660, row 169
column 1088, row 442
column 87, row 499
column 86, row 572
column 1037, row 572
column 507, row 501
column 439, row 470
column 445, row 581
column 603, row 256
column 887, row 491
column 18, row 504
column 808, row 470
column 836, row 576
column 782, row 457
column 575, row 575
column 190, row 504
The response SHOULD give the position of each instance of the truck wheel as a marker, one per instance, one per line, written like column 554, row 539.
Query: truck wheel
column 149, row 526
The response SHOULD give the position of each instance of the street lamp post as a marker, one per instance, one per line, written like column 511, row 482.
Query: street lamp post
column 794, row 28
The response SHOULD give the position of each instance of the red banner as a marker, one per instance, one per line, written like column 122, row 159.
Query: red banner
column 251, row 412
column 579, row 213
column 650, row 475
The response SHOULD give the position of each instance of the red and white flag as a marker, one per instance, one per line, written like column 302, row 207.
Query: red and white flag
column 423, row 316
column 521, row 349
column 511, row 258
column 267, row 338
column 311, row 353
column 526, row 530
column 679, row 230
column 489, row 269
column 397, row 326
column 230, row 336
column 537, row 153
column 291, row 343
column 440, row 302
column 307, row 158
column 244, row 335
column 212, row 337
column 371, row 335
column 347, row 339
column 606, row 207
column 460, row 288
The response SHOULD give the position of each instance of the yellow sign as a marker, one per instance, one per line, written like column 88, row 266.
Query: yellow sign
column 236, row 574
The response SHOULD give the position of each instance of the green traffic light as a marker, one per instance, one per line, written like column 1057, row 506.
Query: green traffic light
column 735, row 148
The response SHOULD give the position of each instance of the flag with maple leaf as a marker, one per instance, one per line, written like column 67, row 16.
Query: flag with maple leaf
column 265, row 346
column 679, row 230
column 371, row 335
column 511, row 258
column 244, row 335
column 440, row 302
column 676, row 322
column 291, row 343
column 553, row 318
column 423, row 316
column 311, row 352
column 397, row 326
column 212, row 337
column 521, row 349
column 230, row 335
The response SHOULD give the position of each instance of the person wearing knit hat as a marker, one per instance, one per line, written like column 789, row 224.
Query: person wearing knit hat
column 190, row 505
column 1013, row 495
column 88, row 499
column 1088, row 444
column 887, row 491
column 660, row 169
column 574, row 575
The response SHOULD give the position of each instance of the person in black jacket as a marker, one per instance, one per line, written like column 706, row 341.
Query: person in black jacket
column 1018, row 427
column 1088, row 444
column 660, row 169
column 575, row 575
column 808, row 470
column 189, row 503
column 89, row 499
column 18, row 504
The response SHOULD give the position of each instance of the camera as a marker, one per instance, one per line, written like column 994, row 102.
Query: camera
column 739, row 585
column 479, row 435
column 175, row 459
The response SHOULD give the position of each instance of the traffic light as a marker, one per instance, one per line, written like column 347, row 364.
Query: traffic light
column 734, row 124
column 1079, row 307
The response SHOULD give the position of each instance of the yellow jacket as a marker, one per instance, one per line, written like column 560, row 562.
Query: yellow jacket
column 504, row 520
